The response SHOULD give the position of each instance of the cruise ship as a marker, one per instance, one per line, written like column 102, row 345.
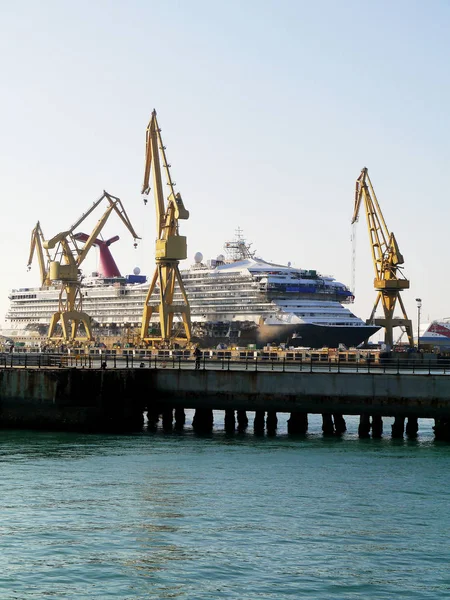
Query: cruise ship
column 436, row 335
column 236, row 299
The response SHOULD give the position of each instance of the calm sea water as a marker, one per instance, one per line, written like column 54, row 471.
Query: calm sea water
column 159, row 515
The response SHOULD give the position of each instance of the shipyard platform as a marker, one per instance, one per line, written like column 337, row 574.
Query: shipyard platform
column 96, row 395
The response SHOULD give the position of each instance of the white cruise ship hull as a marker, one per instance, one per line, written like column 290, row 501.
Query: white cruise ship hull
column 249, row 301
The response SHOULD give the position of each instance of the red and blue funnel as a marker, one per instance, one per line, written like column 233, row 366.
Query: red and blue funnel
column 106, row 264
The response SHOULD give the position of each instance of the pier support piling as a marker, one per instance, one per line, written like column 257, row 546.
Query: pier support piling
column 364, row 426
column 398, row 427
column 271, row 422
column 152, row 417
column 259, row 422
column 180, row 418
column 242, row 420
column 377, row 426
column 203, row 420
column 412, row 427
column 230, row 421
column 298, row 423
column 340, row 425
column 442, row 429
column 327, row 424
column 167, row 419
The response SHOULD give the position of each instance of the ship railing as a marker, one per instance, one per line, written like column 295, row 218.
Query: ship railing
column 226, row 360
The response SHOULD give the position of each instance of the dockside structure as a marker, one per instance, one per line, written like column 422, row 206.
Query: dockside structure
column 115, row 399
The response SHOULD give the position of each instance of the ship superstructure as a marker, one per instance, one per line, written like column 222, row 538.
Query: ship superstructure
column 237, row 299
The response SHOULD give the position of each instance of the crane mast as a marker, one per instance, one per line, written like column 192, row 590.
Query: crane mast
column 171, row 247
column 64, row 268
column 387, row 261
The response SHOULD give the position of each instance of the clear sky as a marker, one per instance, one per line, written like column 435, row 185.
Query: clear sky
column 269, row 110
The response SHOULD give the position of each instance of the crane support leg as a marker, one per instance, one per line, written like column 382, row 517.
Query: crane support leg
column 70, row 315
column 70, row 325
column 168, row 275
column 148, row 309
column 389, row 322
column 408, row 324
column 186, row 313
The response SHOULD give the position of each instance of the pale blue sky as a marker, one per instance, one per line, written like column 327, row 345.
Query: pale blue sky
column 269, row 110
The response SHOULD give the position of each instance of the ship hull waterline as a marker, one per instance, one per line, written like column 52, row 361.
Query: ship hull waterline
column 306, row 335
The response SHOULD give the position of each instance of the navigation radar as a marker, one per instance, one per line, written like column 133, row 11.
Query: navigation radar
column 136, row 270
column 198, row 257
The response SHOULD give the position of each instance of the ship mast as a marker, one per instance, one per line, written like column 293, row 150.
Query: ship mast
column 238, row 249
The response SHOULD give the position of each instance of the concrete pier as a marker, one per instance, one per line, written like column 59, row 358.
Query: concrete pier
column 377, row 426
column 297, row 423
column 271, row 422
column 346, row 393
column 230, row 421
column 115, row 399
column 203, row 420
column 167, row 419
column 75, row 399
column 242, row 420
column 364, row 426
column 398, row 427
column 180, row 418
column 340, row 425
column 327, row 424
column 259, row 421
column 442, row 429
column 153, row 417
column 412, row 427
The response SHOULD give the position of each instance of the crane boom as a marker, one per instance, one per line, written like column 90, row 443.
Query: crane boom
column 37, row 245
column 64, row 268
column 116, row 205
column 387, row 260
column 154, row 147
column 171, row 247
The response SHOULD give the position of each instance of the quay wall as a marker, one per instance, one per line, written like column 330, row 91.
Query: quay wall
column 426, row 396
column 114, row 399
column 68, row 399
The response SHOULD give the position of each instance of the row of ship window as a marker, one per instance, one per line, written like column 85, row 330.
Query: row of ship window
column 191, row 292
column 211, row 305
column 43, row 304
column 98, row 319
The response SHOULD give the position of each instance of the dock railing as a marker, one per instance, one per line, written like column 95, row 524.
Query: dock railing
column 226, row 361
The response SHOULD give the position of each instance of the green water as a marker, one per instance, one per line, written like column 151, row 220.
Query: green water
column 159, row 515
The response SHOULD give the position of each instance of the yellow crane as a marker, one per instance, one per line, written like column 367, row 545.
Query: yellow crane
column 387, row 261
column 37, row 245
column 64, row 268
column 171, row 247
